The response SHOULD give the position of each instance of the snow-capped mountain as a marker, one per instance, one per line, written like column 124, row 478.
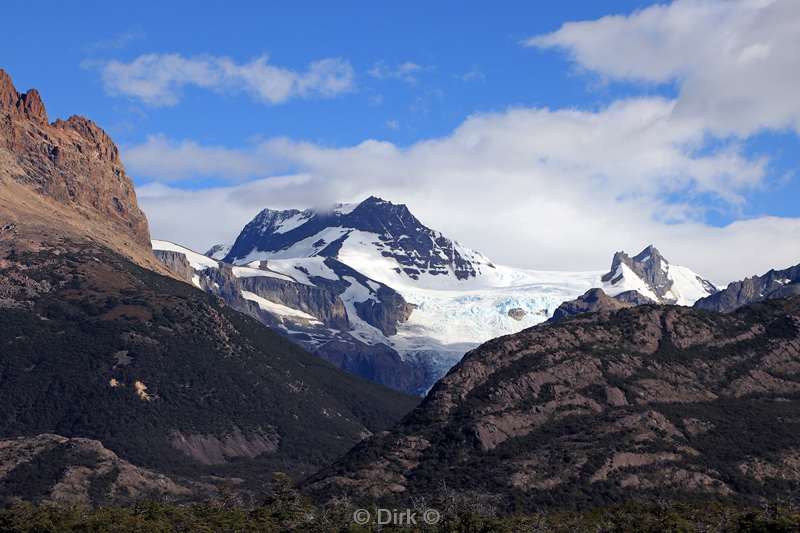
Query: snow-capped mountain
column 460, row 297
column 650, row 274
column 385, row 231
column 409, row 295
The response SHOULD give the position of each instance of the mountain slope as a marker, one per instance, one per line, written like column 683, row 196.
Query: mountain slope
column 317, row 302
column 96, row 346
column 773, row 284
column 646, row 402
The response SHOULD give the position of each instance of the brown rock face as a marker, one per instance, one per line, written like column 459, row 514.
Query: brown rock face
column 71, row 162
column 640, row 402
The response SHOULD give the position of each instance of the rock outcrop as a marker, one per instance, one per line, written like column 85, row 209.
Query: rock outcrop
column 325, row 326
column 596, row 301
column 66, row 175
column 77, row 471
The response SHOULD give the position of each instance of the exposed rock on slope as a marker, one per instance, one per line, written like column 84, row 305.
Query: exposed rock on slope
column 644, row 402
column 773, row 284
column 315, row 302
column 52, row 468
column 595, row 300
column 75, row 170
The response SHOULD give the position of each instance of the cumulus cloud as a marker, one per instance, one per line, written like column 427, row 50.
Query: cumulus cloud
column 735, row 62
column 158, row 79
column 539, row 188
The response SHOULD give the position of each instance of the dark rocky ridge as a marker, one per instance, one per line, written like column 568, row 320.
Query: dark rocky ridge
column 773, row 284
column 596, row 300
column 646, row 402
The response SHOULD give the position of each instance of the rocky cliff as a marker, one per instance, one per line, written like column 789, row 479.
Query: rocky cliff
column 64, row 177
column 105, row 363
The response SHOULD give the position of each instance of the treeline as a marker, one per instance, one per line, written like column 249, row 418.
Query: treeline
column 293, row 514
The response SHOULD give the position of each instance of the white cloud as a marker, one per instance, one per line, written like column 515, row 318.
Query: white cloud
column 158, row 79
column 393, row 124
column 116, row 42
column 407, row 71
column 540, row 188
column 166, row 160
column 473, row 75
column 735, row 62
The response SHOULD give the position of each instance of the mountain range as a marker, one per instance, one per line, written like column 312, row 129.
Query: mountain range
column 403, row 302
column 134, row 369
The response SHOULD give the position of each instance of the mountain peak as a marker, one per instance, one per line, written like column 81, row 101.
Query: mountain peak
column 651, row 275
column 649, row 254
column 74, row 163
column 8, row 93
column 27, row 104
column 377, row 227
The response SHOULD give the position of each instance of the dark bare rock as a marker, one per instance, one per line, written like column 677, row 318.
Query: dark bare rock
column 595, row 301
column 176, row 263
column 773, row 284
column 517, row 313
column 329, row 336
column 645, row 402
column 633, row 298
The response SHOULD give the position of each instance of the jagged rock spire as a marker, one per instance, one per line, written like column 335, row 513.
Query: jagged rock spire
column 27, row 104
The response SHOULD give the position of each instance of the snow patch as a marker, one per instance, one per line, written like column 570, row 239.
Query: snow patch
column 196, row 260
column 278, row 309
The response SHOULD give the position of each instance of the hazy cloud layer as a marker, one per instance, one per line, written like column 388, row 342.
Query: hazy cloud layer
column 158, row 79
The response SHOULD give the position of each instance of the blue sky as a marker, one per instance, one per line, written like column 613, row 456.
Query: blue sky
column 403, row 88
column 449, row 40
